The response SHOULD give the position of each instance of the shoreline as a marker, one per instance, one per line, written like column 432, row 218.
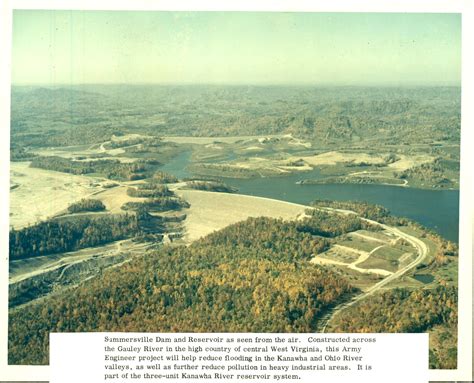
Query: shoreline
column 406, row 185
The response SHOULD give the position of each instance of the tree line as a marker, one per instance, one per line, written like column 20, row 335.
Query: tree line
column 330, row 224
column 158, row 204
column 112, row 169
column 211, row 186
column 85, row 205
column 58, row 235
column 155, row 191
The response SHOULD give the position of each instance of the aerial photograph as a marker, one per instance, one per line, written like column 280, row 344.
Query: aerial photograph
column 262, row 172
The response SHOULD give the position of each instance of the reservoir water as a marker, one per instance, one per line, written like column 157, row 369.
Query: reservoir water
column 435, row 209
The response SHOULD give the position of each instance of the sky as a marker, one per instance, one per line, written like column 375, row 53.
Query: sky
column 102, row 47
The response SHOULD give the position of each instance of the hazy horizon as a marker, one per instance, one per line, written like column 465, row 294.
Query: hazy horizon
column 54, row 48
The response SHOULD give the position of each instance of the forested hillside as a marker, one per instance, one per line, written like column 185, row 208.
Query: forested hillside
column 403, row 310
column 253, row 276
column 326, row 114
column 259, row 284
column 57, row 236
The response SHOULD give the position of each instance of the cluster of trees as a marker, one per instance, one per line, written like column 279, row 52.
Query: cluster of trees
column 353, row 180
column 142, row 145
column 325, row 224
column 234, row 171
column 148, row 161
column 150, row 191
column 58, row 236
column 446, row 251
column 86, row 204
column 212, row 286
column 403, row 310
column 286, row 239
column 157, row 204
column 366, row 210
column 19, row 153
column 211, row 186
column 159, row 198
column 144, row 149
column 387, row 160
column 112, row 169
column 390, row 159
column 153, row 150
column 430, row 173
column 115, row 144
column 164, row 178
column 363, row 209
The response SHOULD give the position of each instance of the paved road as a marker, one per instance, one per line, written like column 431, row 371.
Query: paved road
column 420, row 247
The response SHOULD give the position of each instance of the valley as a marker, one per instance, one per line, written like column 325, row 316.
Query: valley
column 265, row 222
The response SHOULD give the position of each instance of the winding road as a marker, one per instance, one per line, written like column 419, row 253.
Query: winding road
column 418, row 244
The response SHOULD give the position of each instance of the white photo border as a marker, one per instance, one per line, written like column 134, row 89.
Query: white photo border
column 465, row 7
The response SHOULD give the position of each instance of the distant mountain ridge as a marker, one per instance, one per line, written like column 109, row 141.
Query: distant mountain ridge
column 321, row 114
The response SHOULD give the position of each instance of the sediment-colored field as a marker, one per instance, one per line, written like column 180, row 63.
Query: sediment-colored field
column 213, row 211
column 43, row 193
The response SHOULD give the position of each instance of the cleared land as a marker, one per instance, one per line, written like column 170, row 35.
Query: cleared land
column 343, row 255
column 38, row 278
column 27, row 268
column 283, row 155
column 115, row 197
column 334, row 157
column 43, row 193
column 407, row 162
column 212, row 140
column 97, row 151
column 422, row 252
